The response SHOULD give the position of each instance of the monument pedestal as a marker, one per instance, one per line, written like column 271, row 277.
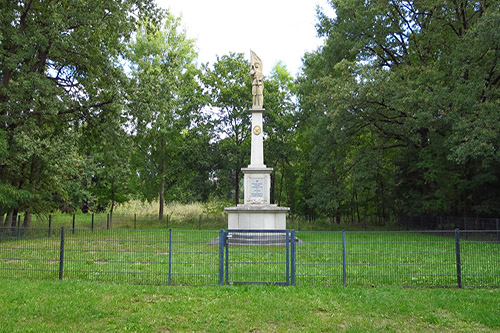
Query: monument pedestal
column 258, row 217
column 257, row 212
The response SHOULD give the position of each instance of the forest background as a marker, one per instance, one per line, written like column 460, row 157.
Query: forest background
column 396, row 115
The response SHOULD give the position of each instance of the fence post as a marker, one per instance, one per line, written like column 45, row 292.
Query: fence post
column 344, row 268
column 222, row 243
column 73, row 224
column 135, row 221
column 19, row 226
column 292, row 263
column 107, row 221
column 50, row 225
column 92, row 226
column 169, row 256
column 226, row 234
column 287, row 249
column 459, row 263
column 61, row 255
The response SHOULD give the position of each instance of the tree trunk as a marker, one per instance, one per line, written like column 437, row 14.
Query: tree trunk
column 27, row 220
column 8, row 219
column 237, row 187
column 163, row 168
column 111, row 209
column 1, row 218
column 281, row 183
column 13, row 223
column 273, row 185
column 162, row 200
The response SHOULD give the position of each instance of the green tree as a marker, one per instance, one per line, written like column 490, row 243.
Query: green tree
column 60, row 69
column 407, row 80
column 111, row 160
column 230, row 89
column 280, row 120
column 163, row 98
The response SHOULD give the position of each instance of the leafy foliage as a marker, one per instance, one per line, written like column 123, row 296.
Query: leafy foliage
column 59, row 68
column 403, row 91
column 164, row 99
column 229, row 87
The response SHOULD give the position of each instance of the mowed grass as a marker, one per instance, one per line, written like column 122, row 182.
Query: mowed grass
column 80, row 306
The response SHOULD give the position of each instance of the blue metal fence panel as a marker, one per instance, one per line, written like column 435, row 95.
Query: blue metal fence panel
column 257, row 256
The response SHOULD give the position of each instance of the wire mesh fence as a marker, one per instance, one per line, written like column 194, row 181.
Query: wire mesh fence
column 480, row 258
column 132, row 256
column 257, row 256
column 29, row 253
column 175, row 257
column 106, row 221
column 425, row 258
column 451, row 223
column 195, row 257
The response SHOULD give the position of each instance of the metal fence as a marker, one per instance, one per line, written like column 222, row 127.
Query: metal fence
column 451, row 223
column 257, row 256
column 172, row 257
column 101, row 221
column 445, row 258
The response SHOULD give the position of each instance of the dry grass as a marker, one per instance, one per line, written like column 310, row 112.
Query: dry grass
column 175, row 210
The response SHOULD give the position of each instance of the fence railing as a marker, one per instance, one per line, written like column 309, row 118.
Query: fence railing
column 173, row 257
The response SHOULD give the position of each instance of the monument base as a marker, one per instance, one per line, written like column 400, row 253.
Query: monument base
column 257, row 217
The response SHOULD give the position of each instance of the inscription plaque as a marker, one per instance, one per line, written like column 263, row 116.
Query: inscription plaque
column 257, row 187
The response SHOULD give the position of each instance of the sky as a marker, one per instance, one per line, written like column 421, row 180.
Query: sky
column 276, row 30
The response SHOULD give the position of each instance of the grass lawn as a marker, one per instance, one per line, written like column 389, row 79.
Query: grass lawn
column 50, row 306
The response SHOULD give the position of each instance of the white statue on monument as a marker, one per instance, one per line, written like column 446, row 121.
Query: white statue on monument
column 257, row 81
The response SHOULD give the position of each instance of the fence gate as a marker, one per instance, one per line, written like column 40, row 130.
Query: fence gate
column 257, row 256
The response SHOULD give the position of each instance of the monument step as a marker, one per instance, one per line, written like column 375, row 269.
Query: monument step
column 257, row 238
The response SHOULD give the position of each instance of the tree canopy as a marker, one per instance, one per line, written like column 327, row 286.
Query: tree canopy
column 406, row 93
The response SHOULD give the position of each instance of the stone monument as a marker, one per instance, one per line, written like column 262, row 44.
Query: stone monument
column 257, row 212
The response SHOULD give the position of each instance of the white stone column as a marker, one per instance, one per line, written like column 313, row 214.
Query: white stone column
column 257, row 145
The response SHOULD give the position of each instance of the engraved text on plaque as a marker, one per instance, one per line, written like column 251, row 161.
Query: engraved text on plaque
column 257, row 187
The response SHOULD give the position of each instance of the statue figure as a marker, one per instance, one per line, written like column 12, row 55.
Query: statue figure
column 257, row 81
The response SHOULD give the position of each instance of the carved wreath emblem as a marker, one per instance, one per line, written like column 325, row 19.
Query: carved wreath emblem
column 256, row 130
